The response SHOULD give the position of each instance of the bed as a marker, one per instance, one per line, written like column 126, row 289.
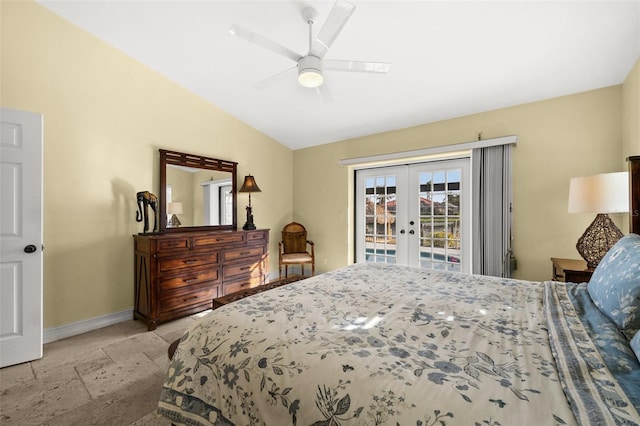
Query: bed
column 378, row 344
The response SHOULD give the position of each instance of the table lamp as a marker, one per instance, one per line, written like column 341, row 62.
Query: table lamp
column 600, row 194
column 174, row 209
column 249, row 185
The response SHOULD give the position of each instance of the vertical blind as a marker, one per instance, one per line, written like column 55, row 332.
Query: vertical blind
column 492, row 198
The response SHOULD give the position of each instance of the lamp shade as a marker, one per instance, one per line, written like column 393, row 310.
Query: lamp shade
column 603, row 193
column 249, row 185
column 175, row 208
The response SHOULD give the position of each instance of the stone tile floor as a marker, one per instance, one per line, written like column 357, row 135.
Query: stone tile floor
column 110, row 376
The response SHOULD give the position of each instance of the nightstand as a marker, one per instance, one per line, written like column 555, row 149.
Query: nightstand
column 571, row 270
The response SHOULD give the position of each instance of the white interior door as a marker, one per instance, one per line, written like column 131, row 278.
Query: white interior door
column 20, row 237
column 417, row 215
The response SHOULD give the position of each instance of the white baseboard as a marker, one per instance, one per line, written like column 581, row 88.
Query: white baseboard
column 64, row 331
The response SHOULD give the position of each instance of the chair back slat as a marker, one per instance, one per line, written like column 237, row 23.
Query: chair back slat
column 294, row 238
column 294, row 242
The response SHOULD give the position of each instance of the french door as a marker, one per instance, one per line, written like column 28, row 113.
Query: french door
column 417, row 215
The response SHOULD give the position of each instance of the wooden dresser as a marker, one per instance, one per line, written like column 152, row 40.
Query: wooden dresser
column 180, row 273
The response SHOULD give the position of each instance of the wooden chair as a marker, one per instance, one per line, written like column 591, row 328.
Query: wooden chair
column 293, row 249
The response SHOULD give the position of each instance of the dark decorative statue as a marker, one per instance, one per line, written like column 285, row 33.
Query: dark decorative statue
column 146, row 200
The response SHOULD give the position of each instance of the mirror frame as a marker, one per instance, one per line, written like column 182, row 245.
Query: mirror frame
column 198, row 162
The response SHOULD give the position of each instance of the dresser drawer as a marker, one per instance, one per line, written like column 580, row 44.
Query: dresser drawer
column 234, row 286
column 177, row 300
column 218, row 239
column 248, row 268
column 173, row 245
column 167, row 264
column 257, row 236
column 188, row 278
column 242, row 253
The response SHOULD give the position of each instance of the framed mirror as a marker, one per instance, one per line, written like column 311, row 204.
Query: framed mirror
column 196, row 193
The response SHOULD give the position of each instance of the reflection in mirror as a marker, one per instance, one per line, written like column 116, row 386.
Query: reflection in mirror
column 217, row 201
column 206, row 196
column 204, row 187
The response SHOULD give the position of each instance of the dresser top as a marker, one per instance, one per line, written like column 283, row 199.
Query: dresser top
column 178, row 234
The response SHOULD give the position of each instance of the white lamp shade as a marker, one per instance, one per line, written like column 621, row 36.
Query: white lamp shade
column 175, row 208
column 603, row 193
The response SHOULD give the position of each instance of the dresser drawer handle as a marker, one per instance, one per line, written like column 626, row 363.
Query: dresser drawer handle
column 189, row 261
column 186, row 299
column 188, row 280
column 244, row 268
column 244, row 253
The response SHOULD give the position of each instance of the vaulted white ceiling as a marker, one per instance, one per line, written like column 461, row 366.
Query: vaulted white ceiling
column 448, row 59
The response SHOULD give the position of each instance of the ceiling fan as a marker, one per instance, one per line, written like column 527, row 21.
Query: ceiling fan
column 311, row 66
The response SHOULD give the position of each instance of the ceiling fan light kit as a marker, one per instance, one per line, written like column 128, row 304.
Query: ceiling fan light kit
column 311, row 66
column 310, row 71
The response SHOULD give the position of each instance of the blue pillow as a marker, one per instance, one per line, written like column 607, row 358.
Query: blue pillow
column 615, row 284
column 635, row 345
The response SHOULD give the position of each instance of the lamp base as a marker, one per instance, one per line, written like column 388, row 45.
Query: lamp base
column 598, row 238
column 249, row 225
column 174, row 221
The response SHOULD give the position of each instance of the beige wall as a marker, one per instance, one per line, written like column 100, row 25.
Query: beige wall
column 559, row 139
column 105, row 117
column 631, row 113
column 631, row 120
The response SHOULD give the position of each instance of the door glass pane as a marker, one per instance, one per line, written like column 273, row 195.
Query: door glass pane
column 440, row 219
column 380, row 217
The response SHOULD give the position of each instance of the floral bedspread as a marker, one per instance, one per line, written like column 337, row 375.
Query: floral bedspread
column 372, row 344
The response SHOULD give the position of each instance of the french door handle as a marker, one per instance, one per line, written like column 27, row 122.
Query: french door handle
column 412, row 232
column 402, row 231
column 30, row 249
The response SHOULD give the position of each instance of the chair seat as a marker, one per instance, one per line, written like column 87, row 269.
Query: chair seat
column 296, row 258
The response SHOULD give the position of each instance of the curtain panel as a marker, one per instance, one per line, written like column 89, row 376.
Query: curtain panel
column 492, row 204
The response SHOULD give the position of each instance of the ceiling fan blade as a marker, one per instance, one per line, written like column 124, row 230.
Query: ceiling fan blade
column 336, row 20
column 254, row 37
column 269, row 81
column 356, row 66
column 324, row 93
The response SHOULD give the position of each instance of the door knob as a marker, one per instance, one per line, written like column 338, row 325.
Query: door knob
column 412, row 232
column 411, row 223
column 30, row 249
column 402, row 231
